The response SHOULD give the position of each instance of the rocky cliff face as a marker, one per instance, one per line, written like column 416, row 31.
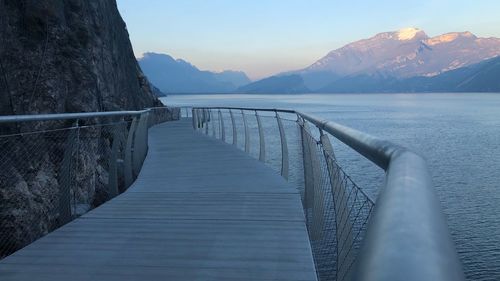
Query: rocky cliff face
column 67, row 56
column 60, row 56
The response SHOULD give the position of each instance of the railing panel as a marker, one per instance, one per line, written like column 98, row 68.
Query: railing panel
column 222, row 128
column 284, row 148
column 36, row 176
column 55, row 167
column 336, row 210
column 233, row 124
column 273, row 147
column 66, row 175
column 140, row 144
column 295, row 154
column 127, row 161
column 254, row 137
column 262, row 143
column 247, row 132
column 308, row 196
column 212, row 123
column 206, row 117
column 333, row 252
column 194, row 118
column 239, row 130
column 115, row 156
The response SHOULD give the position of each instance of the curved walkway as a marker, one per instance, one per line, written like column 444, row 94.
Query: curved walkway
column 199, row 210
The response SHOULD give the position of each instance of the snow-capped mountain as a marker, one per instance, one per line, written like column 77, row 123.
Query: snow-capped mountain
column 405, row 53
column 409, row 52
column 397, row 55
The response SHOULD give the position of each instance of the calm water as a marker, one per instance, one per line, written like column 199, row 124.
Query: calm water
column 458, row 134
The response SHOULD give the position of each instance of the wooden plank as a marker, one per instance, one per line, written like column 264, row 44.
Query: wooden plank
column 199, row 210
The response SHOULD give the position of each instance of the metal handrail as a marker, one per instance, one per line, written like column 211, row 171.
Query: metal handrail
column 407, row 237
column 114, row 145
column 248, row 109
column 67, row 116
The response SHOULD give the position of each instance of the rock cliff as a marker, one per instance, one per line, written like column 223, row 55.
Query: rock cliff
column 59, row 56
column 67, row 56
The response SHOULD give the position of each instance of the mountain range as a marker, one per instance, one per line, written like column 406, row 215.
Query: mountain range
column 401, row 61
column 407, row 60
column 179, row 76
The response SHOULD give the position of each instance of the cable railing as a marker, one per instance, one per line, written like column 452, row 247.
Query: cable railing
column 401, row 236
column 56, row 167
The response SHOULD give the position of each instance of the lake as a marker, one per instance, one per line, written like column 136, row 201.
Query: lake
column 458, row 134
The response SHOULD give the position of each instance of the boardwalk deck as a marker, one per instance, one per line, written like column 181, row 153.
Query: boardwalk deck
column 199, row 210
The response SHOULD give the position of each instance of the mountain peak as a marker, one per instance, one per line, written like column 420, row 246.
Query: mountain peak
column 404, row 53
column 449, row 37
column 404, row 34
column 408, row 33
column 147, row 55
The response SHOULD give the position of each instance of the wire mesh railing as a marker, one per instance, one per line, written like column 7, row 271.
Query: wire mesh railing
column 54, row 168
column 351, row 237
column 336, row 209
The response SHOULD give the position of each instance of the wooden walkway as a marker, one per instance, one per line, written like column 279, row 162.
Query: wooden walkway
column 199, row 210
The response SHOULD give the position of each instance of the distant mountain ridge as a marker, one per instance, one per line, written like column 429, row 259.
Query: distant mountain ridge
column 481, row 77
column 289, row 84
column 388, row 59
column 179, row 76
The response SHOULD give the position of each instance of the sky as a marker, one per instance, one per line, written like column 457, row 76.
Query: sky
column 265, row 37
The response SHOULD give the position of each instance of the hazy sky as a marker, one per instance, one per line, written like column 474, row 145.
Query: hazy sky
column 264, row 37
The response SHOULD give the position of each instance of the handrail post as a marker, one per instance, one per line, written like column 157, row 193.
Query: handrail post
column 140, row 143
column 199, row 120
column 153, row 118
column 202, row 119
column 262, row 143
column 127, row 165
column 247, row 133
column 306, row 160
column 194, row 118
column 284, row 148
column 213, row 122
column 206, row 116
column 233, row 123
column 327, row 145
column 113, row 165
column 66, row 178
column 313, row 192
column 222, row 129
